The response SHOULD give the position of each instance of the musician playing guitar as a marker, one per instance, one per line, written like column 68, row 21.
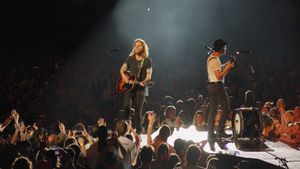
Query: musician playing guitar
column 137, row 65
column 216, row 91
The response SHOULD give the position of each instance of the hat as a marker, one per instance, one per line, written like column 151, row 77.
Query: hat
column 219, row 44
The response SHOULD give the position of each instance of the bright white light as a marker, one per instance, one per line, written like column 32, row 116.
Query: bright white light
column 188, row 134
column 185, row 133
column 148, row 9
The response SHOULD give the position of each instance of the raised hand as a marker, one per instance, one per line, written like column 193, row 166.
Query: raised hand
column 85, row 133
column 61, row 127
column 151, row 117
column 35, row 127
column 13, row 112
column 16, row 116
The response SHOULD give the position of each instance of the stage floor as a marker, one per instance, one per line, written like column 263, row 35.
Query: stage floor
column 268, row 152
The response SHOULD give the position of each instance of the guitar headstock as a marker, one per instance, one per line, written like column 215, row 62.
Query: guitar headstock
column 232, row 59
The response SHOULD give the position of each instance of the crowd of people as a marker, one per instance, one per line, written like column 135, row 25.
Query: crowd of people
column 81, row 146
column 94, row 145
column 280, row 123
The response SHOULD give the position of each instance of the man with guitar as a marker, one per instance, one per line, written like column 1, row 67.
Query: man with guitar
column 136, row 73
column 216, row 91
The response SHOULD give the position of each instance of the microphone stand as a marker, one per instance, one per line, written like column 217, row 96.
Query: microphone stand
column 282, row 161
column 110, row 54
column 252, row 85
column 210, row 50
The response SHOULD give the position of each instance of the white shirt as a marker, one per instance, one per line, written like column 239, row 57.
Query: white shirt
column 213, row 64
column 130, row 148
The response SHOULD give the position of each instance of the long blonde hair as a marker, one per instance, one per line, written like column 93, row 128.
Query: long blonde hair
column 145, row 48
column 196, row 113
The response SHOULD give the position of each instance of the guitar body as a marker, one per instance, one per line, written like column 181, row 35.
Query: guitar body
column 122, row 86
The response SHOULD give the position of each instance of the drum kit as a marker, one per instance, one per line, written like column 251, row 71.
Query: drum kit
column 247, row 123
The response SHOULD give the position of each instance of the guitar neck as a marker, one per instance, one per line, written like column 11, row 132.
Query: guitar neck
column 138, row 82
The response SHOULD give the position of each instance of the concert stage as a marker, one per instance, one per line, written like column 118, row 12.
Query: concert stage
column 270, row 152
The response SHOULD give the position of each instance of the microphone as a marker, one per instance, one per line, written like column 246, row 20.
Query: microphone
column 243, row 51
column 209, row 48
column 113, row 50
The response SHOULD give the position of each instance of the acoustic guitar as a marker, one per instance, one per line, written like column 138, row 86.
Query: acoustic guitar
column 132, row 79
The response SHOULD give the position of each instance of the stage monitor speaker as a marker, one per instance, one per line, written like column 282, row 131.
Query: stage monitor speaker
column 231, row 162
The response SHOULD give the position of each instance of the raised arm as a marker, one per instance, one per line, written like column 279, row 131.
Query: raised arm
column 82, row 146
column 8, row 120
column 151, row 118
column 62, row 127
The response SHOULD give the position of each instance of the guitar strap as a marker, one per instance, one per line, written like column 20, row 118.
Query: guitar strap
column 140, row 68
column 211, row 58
